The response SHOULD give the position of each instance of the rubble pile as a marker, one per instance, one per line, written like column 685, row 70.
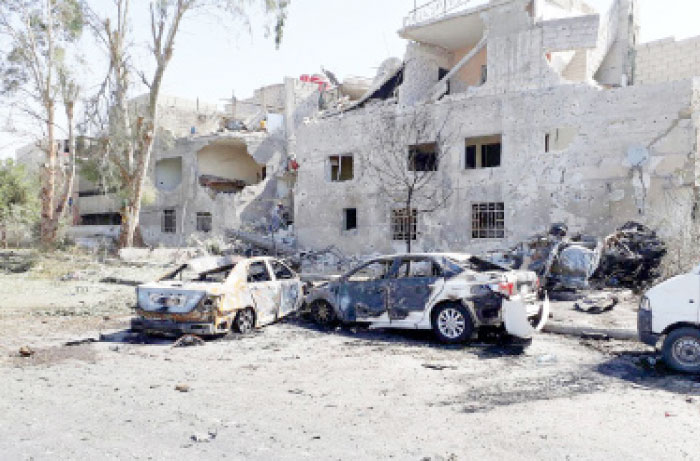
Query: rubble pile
column 628, row 258
column 631, row 257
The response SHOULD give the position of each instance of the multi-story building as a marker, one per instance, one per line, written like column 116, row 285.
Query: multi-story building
column 517, row 114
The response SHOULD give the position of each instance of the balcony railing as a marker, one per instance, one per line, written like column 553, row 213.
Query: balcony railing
column 435, row 9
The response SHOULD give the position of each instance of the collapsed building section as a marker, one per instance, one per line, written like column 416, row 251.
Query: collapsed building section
column 542, row 114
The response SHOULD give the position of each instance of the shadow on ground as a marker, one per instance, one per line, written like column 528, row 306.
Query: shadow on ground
column 647, row 370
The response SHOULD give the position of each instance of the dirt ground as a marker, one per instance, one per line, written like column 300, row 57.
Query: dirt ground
column 93, row 390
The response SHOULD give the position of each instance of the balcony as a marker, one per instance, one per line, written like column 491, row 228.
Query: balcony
column 436, row 9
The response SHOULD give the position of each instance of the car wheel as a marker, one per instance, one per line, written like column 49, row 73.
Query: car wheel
column 245, row 321
column 323, row 314
column 681, row 350
column 452, row 323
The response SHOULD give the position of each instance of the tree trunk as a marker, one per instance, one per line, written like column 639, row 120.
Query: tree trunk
column 48, row 181
column 68, row 187
column 409, row 222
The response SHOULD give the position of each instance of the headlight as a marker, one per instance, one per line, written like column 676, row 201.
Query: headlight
column 645, row 304
column 210, row 303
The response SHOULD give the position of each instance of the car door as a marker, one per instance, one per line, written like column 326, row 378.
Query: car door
column 264, row 290
column 411, row 285
column 289, row 287
column 362, row 295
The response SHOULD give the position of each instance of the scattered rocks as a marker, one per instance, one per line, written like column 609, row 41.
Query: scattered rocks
column 26, row 351
column 188, row 341
column 183, row 388
column 201, row 437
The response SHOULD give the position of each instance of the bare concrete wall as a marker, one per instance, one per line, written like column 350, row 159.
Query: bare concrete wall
column 633, row 158
column 667, row 60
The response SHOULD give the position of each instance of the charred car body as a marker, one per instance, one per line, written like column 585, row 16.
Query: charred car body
column 214, row 295
column 455, row 295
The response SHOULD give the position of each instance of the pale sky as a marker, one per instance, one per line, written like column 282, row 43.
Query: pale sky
column 349, row 37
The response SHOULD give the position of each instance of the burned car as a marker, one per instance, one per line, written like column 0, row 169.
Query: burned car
column 455, row 295
column 215, row 295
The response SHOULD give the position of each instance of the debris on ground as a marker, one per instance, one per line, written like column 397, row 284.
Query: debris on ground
column 597, row 303
column 26, row 351
column 189, row 340
column 79, row 342
column 17, row 261
column 183, row 388
column 200, row 437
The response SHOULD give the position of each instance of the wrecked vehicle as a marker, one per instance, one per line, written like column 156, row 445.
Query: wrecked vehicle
column 628, row 258
column 455, row 295
column 215, row 295
column 669, row 313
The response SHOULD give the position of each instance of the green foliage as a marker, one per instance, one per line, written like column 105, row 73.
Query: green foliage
column 19, row 203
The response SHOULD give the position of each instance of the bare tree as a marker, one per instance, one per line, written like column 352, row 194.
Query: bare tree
column 38, row 33
column 405, row 160
column 130, row 135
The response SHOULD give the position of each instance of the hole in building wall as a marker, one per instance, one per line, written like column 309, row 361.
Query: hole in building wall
column 559, row 139
column 483, row 152
column 227, row 167
column 168, row 173
column 423, row 157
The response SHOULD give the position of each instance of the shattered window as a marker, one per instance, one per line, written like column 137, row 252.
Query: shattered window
column 281, row 271
column 169, row 223
column 373, row 271
column 204, row 222
column 350, row 219
column 423, row 157
column 488, row 220
column 257, row 272
column 342, row 167
column 418, row 268
column 404, row 224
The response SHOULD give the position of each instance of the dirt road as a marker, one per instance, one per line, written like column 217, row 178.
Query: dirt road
column 292, row 392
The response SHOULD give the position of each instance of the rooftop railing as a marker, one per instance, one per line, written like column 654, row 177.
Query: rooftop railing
column 434, row 9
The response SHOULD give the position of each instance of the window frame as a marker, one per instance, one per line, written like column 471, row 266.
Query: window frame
column 338, row 177
column 398, row 231
column 167, row 214
column 414, row 150
column 204, row 214
column 488, row 223
column 267, row 271
column 345, row 220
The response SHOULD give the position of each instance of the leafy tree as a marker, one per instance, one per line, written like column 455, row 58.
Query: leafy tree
column 33, row 72
column 19, row 205
column 128, row 143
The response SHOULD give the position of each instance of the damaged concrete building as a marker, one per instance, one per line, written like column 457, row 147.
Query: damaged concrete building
column 211, row 170
column 539, row 111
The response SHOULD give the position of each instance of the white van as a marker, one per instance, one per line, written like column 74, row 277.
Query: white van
column 671, row 312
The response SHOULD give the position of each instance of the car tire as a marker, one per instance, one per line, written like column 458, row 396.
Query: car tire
column 681, row 350
column 245, row 321
column 452, row 323
column 323, row 314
